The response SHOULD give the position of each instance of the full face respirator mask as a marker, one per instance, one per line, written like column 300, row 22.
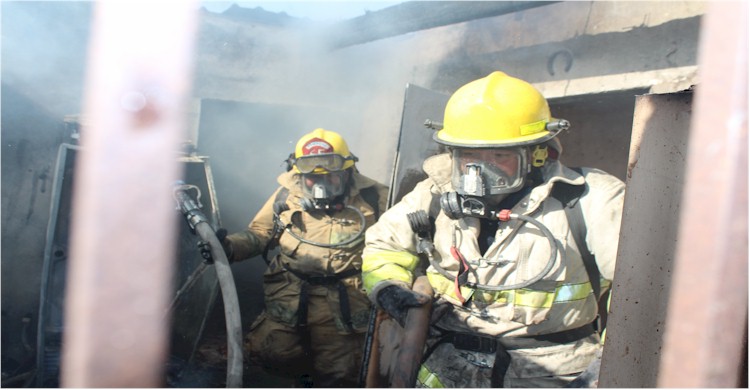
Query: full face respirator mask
column 481, row 175
column 323, row 191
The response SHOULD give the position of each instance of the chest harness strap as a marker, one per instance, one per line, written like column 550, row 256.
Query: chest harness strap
column 324, row 280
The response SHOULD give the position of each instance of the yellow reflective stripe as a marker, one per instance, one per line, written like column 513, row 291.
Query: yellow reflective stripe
column 387, row 265
column 504, row 296
column 385, row 272
column 533, row 128
column 521, row 297
column 545, row 299
column 373, row 261
column 444, row 286
column 428, row 379
column 534, row 298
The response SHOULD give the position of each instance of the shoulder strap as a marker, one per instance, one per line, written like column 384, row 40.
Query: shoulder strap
column 569, row 195
column 370, row 195
column 279, row 205
column 280, row 198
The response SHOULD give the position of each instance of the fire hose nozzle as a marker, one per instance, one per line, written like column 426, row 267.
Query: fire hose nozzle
column 189, row 207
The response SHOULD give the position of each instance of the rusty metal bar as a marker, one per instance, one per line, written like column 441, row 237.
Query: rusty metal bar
column 706, row 321
column 123, row 225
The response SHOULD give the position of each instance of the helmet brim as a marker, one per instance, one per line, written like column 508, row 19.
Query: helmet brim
column 533, row 139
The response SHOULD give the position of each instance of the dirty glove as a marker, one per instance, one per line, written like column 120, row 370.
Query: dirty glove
column 397, row 300
column 221, row 235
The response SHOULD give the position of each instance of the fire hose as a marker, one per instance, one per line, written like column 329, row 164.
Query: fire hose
column 200, row 226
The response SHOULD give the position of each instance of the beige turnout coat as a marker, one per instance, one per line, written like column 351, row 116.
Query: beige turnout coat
column 281, row 287
column 561, row 300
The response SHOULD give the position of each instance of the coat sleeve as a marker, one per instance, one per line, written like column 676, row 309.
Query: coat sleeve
column 252, row 241
column 390, row 255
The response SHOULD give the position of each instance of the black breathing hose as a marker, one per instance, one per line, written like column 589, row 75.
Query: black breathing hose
column 420, row 224
column 550, row 262
column 362, row 223
column 199, row 223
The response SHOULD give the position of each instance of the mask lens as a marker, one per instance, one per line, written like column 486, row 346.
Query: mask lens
column 328, row 162
column 325, row 186
column 498, row 171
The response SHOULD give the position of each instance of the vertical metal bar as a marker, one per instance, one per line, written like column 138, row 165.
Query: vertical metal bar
column 708, row 301
column 123, row 225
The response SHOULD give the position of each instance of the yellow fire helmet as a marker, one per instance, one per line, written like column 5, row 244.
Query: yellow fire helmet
column 322, row 151
column 497, row 111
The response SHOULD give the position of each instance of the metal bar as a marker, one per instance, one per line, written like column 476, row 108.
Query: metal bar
column 412, row 16
column 706, row 321
column 123, row 226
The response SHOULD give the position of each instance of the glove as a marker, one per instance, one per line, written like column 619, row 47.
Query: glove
column 397, row 300
column 221, row 235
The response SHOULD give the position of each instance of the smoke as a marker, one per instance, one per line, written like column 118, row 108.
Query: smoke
column 277, row 81
column 44, row 52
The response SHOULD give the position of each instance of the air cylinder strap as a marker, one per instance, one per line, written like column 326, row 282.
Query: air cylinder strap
column 569, row 195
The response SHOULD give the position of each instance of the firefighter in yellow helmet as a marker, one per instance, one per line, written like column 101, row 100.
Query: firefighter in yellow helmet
column 517, row 277
column 316, row 310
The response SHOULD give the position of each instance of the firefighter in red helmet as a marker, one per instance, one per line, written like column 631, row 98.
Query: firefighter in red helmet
column 316, row 310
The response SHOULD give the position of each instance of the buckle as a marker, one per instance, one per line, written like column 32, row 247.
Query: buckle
column 468, row 342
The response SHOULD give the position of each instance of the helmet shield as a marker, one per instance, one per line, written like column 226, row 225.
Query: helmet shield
column 321, row 163
column 484, row 172
column 324, row 186
column 322, row 151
